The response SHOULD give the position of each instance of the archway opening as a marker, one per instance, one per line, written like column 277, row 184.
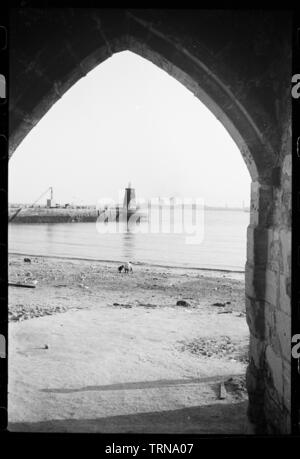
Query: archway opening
column 185, row 186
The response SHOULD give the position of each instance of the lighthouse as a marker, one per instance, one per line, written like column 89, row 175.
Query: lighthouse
column 129, row 202
column 124, row 212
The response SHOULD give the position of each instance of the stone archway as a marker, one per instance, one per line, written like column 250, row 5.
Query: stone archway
column 244, row 91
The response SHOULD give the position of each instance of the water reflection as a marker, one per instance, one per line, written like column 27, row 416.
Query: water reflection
column 50, row 232
column 128, row 239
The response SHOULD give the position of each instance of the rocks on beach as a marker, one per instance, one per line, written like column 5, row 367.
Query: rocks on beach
column 184, row 303
column 21, row 312
column 64, row 284
column 223, row 346
column 221, row 304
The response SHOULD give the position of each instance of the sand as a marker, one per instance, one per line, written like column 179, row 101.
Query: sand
column 92, row 350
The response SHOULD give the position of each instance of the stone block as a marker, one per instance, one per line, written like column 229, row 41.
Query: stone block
column 283, row 330
column 272, row 287
column 287, row 165
column 284, row 302
column 255, row 316
column 258, row 242
column 285, row 246
column 257, row 350
column 255, row 281
column 275, row 371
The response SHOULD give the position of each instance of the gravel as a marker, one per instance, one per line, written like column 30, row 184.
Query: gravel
column 223, row 346
column 19, row 312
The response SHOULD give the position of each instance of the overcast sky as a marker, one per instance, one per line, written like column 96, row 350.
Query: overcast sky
column 128, row 120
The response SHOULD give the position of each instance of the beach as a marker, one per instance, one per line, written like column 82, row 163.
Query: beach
column 95, row 350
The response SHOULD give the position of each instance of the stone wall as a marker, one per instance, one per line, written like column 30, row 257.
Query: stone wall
column 268, row 294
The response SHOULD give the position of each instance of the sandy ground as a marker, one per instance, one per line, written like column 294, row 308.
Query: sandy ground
column 92, row 350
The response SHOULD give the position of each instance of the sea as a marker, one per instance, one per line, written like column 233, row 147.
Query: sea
column 217, row 243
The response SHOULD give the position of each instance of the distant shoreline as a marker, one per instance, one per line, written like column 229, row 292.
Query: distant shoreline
column 84, row 215
column 156, row 265
column 93, row 208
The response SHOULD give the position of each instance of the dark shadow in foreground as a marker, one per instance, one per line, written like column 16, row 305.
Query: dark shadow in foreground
column 219, row 418
column 143, row 384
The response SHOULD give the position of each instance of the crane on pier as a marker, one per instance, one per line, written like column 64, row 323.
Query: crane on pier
column 50, row 188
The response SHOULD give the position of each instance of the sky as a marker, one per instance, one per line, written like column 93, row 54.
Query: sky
column 129, row 121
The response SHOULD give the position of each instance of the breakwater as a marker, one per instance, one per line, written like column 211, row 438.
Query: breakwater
column 59, row 215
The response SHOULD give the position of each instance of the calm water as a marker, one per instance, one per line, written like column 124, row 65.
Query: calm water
column 223, row 245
